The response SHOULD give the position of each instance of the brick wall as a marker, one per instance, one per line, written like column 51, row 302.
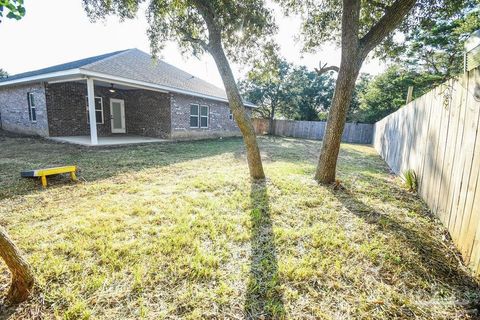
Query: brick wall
column 14, row 109
column 219, row 123
column 146, row 112
column 61, row 111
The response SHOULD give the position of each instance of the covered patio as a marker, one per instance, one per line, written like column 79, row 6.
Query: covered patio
column 108, row 141
column 124, row 112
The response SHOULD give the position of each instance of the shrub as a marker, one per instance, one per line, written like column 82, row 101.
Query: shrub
column 410, row 179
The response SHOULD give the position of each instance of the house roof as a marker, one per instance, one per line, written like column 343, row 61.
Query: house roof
column 130, row 64
column 60, row 67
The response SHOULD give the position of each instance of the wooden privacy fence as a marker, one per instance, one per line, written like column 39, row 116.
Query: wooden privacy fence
column 437, row 135
column 353, row 132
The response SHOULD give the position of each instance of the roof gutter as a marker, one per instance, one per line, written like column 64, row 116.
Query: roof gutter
column 41, row 77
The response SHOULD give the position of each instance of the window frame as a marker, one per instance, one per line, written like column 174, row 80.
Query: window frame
column 96, row 110
column 206, row 116
column 32, row 108
column 195, row 116
column 230, row 114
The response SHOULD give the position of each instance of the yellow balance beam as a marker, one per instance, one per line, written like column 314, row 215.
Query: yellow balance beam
column 43, row 173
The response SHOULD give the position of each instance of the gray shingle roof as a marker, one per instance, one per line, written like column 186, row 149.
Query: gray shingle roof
column 61, row 67
column 138, row 65
column 135, row 65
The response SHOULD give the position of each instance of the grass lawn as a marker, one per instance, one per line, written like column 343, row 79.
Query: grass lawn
column 177, row 231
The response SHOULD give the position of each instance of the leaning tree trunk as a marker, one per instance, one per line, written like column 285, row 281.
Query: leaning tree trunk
column 347, row 75
column 22, row 276
column 271, row 123
column 236, row 105
column 327, row 163
column 354, row 52
column 214, row 47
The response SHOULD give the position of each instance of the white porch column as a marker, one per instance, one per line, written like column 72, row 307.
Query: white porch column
column 91, row 111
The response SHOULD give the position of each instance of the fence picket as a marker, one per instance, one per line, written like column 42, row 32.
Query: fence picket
column 441, row 142
column 353, row 133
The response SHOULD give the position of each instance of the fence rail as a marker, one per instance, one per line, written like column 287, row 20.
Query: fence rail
column 438, row 136
column 353, row 132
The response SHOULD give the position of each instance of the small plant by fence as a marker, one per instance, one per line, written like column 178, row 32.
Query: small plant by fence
column 353, row 132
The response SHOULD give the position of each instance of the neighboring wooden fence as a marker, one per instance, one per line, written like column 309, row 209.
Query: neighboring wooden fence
column 438, row 136
column 353, row 132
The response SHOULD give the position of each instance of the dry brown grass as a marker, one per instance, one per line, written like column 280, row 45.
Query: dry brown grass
column 177, row 231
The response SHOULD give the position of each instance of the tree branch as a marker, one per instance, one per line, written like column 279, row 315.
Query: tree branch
column 208, row 14
column 392, row 18
column 264, row 112
column 324, row 68
column 431, row 62
column 188, row 37
column 378, row 4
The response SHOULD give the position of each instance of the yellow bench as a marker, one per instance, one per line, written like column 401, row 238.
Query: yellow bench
column 43, row 173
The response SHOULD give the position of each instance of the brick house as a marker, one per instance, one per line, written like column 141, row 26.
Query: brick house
column 126, row 92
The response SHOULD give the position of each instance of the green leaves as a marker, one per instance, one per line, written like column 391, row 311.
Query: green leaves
column 387, row 92
column 15, row 9
column 438, row 48
column 410, row 179
column 281, row 89
column 243, row 25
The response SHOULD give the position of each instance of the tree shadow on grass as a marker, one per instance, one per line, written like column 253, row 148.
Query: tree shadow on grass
column 6, row 310
column 23, row 310
column 434, row 262
column 264, row 296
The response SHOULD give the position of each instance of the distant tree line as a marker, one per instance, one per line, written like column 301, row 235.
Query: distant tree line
column 427, row 57
column 282, row 90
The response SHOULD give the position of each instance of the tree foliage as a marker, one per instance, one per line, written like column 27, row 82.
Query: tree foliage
column 310, row 94
column 429, row 55
column 282, row 89
column 321, row 21
column 264, row 84
column 244, row 25
column 15, row 9
column 354, row 112
column 3, row 73
column 437, row 46
column 379, row 96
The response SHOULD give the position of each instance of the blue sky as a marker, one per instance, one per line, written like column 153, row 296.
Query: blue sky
column 57, row 31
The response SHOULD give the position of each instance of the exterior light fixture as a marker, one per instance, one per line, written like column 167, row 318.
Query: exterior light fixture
column 112, row 90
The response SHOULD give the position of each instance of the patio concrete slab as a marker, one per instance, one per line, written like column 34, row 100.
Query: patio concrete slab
column 107, row 141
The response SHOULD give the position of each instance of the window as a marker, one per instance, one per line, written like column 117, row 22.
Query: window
column 98, row 110
column 198, row 116
column 230, row 115
column 32, row 109
column 203, row 117
column 194, row 116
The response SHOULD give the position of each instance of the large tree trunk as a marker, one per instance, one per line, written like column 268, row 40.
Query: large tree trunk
column 347, row 75
column 214, row 46
column 327, row 163
column 238, row 109
column 22, row 276
column 354, row 52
